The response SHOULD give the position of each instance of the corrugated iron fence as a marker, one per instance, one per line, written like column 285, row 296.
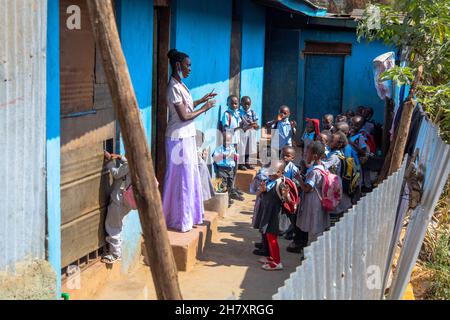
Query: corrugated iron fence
column 22, row 130
column 352, row 259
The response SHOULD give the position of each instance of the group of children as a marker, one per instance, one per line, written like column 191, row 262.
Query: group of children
column 239, row 125
column 340, row 150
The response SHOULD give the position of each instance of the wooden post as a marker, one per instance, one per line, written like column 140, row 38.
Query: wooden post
column 148, row 198
column 403, row 129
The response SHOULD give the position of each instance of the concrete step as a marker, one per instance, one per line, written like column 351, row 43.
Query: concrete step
column 244, row 178
column 85, row 284
column 187, row 247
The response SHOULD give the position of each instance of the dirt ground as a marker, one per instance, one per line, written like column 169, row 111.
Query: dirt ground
column 228, row 270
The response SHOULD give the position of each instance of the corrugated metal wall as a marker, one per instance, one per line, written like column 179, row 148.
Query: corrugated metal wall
column 22, row 130
column 349, row 261
column 434, row 162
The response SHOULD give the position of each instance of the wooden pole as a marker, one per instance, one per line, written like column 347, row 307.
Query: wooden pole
column 148, row 198
column 405, row 124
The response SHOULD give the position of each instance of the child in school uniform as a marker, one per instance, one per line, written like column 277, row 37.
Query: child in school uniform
column 117, row 208
column 357, row 141
column 249, row 120
column 328, row 122
column 267, row 218
column 291, row 171
column 283, row 128
column 224, row 163
column 312, row 130
column 205, row 177
column 312, row 220
column 232, row 122
column 325, row 137
column 333, row 163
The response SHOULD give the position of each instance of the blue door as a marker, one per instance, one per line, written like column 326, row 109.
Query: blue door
column 323, row 85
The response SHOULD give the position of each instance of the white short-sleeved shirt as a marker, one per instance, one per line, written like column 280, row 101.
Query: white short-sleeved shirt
column 178, row 93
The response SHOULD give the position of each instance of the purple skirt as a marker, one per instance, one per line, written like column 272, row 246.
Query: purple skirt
column 182, row 195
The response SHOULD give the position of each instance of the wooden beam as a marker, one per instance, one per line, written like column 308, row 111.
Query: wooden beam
column 405, row 124
column 148, row 198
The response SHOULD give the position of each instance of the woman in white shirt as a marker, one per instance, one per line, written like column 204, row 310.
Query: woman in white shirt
column 182, row 196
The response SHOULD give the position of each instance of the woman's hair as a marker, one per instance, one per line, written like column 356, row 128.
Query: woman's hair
column 176, row 56
column 317, row 148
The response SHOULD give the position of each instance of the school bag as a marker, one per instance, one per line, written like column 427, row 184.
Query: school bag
column 221, row 127
column 290, row 203
column 370, row 142
column 350, row 174
column 331, row 190
column 128, row 197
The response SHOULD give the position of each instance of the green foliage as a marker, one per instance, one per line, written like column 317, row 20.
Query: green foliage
column 400, row 75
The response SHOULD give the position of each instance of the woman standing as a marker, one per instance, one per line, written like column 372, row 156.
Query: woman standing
column 182, row 196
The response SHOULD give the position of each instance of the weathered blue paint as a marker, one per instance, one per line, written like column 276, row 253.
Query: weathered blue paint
column 323, row 94
column 53, row 142
column 135, row 24
column 202, row 29
column 359, row 87
column 281, row 74
column 304, row 7
column 253, row 50
column 286, row 71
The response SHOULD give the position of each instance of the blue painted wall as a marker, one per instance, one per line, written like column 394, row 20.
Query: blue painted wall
column 253, row 51
column 53, row 142
column 359, row 88
column 202, row 29
column 135, row 23
column 285, row 57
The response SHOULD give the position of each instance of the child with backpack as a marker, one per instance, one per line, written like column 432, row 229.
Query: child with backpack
column 322, row 192
column 358, row 142
column 312, row 219
column 118, row 206
column 336, row 163
column 232, row 122
column 312, row 131
column 273, row 193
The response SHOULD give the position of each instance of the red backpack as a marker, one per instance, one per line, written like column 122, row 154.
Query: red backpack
column 292, row 201
column 331, row 190
column 370, row 142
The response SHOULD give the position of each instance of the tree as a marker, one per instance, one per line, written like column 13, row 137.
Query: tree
column 421, row 30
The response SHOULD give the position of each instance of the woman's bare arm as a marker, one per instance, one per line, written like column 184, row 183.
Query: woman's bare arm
column 187, row 116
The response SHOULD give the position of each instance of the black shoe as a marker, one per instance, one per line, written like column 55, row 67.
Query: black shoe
column 258, row 245
column 260, row 252
column 242, row 167
column 236, row 196
column 250, row 167
column 289, row 236
column 364, row 189
column 239, row 192
column 293, row 248
column 230, row 202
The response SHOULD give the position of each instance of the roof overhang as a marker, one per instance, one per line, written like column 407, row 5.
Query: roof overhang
column 296, row 6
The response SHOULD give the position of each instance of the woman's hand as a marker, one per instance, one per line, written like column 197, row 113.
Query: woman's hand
column 208, row 105
column 209, row 96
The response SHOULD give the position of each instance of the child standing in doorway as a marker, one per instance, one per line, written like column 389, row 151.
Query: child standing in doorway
column 117, row 208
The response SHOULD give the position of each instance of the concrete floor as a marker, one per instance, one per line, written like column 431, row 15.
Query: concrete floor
column 228, row 270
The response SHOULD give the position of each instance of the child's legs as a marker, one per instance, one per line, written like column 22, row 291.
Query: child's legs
column 113, row 226
column 300, row 237
column 273, row 247
column 265, row 244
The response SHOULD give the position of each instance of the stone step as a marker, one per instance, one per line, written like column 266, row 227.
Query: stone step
column 187, row 247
